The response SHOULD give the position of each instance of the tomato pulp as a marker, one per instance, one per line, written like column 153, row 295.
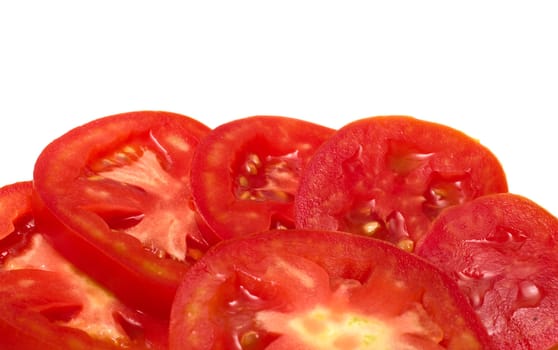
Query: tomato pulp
column 114, row 197
column 502, row 250
column 294, row 289
column 46, row 303
column 389, row 177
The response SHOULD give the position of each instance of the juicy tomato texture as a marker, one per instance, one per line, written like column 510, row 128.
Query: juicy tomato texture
column 46, row 303
column 502, row 250
column 295, row 289
column 390, row 176
column 149, row 230
column 246, row 172
column 114, row 197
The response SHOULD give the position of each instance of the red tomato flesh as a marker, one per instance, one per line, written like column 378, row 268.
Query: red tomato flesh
column 293, row 289
column 502, row 250
column 389, row 177
column 32, row 318
column 114, row 196
column 46, row 302
column 245, row 173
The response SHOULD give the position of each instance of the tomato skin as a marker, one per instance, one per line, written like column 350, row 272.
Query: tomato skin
column 502, row 250
column 245, row 173
column 389, row 176
column 240, row 281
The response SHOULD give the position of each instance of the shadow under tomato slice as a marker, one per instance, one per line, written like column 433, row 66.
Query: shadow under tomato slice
column 46, row 303
column 294, row 289
column 245, row 173
column 114, row 197
column 389, row 177
column 501, row 250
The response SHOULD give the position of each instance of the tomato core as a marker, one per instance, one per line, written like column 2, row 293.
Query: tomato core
column 163, row 231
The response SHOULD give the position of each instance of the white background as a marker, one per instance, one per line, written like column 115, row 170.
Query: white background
column 487, row 68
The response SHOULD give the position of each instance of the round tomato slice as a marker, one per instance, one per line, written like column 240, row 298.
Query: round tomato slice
column 502, row 250
column 293, row 289
column 389, row 177
column 246, row 172
column 114, row 197
column 46, row 302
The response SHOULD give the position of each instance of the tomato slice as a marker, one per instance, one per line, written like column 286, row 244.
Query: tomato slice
column 114, row 197
column 45, row 302
column 502, row 250
column 294, row 289
column 246, row 172
column 390, row 176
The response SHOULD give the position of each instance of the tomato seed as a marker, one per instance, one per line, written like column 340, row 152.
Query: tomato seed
column 528, row 294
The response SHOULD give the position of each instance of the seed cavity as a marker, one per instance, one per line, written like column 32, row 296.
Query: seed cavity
column 363, row 218
column 402, row 158
column 444, row 191
column 119, row 157
column 269, row 178
column 476, row 283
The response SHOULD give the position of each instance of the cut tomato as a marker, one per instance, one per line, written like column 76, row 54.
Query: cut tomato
column 246, row 172
column 46, row 303
column 389, row 177
column 502, row 250
column 114, row 198
column 293, row 289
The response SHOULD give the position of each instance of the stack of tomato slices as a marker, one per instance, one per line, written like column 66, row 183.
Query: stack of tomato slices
column 150, row 230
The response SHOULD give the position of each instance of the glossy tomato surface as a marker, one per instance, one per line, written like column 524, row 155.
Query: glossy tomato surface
column 46, row 303
column 390, row 176
column 294, row 289
column 502, row 250
column 246, row 173
column 114, row 197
